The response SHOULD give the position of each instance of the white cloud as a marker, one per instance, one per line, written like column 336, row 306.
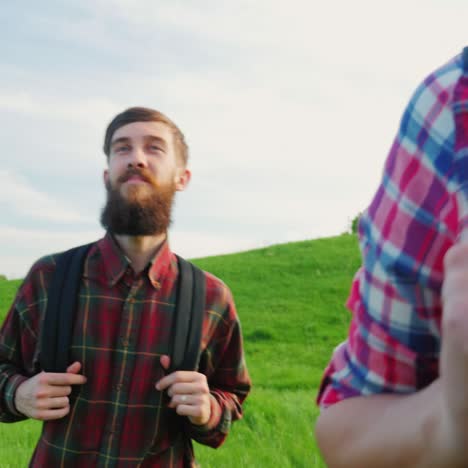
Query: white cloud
column 17, row 195
column 289, row 107
column 362, row 33
column 22, row 247
column 68, row 110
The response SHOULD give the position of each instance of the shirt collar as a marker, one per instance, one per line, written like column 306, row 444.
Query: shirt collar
column 115, row 263
column 162, row 265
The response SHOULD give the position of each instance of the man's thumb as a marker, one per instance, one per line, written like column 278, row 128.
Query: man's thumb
column 74, row 368
column 165, row 361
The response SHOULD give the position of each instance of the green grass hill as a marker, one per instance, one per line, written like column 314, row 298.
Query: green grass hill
column 290, row 299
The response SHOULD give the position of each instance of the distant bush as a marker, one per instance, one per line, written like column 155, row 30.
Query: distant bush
column 355, row 224
column 3, row 278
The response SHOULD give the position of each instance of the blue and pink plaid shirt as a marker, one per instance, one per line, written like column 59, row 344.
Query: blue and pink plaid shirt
column 419, row 211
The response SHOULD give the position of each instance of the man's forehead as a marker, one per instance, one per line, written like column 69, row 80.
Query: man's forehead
column 135, row 130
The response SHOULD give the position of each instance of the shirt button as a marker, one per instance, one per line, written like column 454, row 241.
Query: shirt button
column 114, row 430
column 124, row 341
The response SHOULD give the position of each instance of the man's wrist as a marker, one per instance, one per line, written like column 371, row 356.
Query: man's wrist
column 213, row 420
column 11, row 389
column 447, row 436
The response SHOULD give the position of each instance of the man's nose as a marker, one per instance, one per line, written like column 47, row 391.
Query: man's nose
column 137, row 158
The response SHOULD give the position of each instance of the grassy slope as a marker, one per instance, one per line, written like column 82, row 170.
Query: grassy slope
column 290, row 299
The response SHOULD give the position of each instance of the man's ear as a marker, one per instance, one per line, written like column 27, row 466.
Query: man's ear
column 182, row 179
column 105, row 177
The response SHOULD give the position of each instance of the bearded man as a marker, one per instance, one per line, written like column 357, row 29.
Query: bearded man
column 124, row 396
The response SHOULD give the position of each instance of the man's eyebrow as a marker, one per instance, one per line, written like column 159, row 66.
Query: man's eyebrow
column 160, row 140
column 120, row 140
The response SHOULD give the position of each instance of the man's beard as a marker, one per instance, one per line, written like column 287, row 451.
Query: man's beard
column 145, row 211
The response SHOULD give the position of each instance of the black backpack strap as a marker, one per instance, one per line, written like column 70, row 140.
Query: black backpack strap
column 188, row 321
column 186, row 333
column 61, row 304
column 192, row 353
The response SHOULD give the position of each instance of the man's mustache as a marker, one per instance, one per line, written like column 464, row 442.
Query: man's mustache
column 143, row 174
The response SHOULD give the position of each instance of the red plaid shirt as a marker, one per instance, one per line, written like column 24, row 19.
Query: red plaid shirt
column 123, row 326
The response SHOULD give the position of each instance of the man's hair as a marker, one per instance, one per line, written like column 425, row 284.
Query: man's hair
column 144, row 114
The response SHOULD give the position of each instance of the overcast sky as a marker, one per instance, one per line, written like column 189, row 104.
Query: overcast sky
column 289, row 109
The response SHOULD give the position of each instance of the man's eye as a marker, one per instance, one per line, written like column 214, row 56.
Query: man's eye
column 121, row 149
column 155, row 148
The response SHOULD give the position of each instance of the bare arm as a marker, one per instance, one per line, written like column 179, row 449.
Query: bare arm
column 387, row 431
column 426, row 429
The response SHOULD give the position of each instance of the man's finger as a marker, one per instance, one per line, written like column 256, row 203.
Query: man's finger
column 178, row 376
column 177, row 400
column 187, row 388
column 187, row 399
column 59, row 390
column 53, row 403
column 51, row 414
column 59, row 402
column 65, row 379
column 189, row 410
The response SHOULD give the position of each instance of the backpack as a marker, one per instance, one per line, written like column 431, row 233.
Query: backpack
column 63, row 299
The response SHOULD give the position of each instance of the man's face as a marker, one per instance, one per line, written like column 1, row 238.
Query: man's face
column 148, row 146
column 143, row 174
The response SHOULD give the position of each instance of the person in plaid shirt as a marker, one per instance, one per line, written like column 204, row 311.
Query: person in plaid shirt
column 395, row 393
column 116, row 404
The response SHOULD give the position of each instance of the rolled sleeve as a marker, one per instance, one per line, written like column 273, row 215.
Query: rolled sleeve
column 215, row 423
column 11, row 414
column 18, row 343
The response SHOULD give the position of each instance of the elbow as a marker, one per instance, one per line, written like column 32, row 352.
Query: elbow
column 320, row 430
column 332, row 438
column 322, row 433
